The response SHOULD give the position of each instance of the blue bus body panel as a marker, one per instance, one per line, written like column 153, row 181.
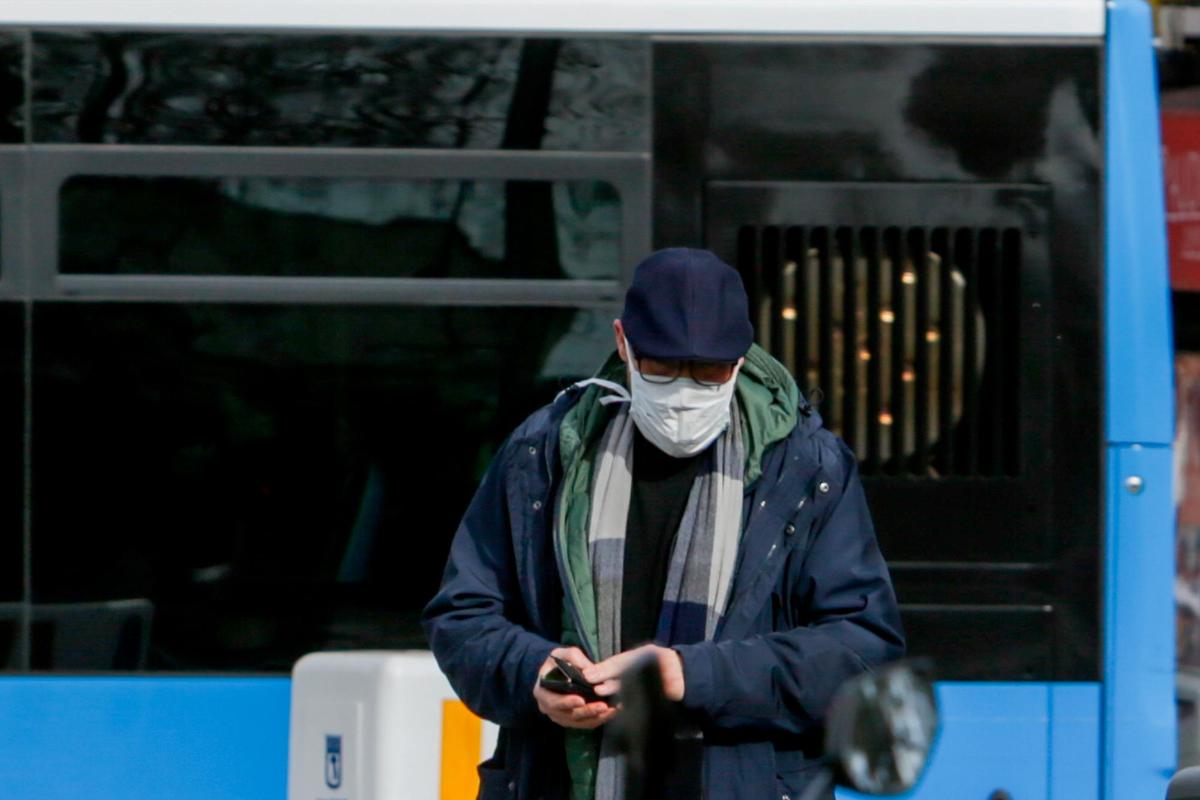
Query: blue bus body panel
column 994, row 736
column 168, row 738
column 1033, row 740
column 1137, row 339
column 1139, row 662
column 162, row 738
column 1139, row 650
column 1074, row 740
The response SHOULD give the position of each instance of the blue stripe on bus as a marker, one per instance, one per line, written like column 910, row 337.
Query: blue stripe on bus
column 141, row 738
column 1074, row 740
column 1137, row 336
column 220, row 738
column 1139, row 662
column 1139, row 613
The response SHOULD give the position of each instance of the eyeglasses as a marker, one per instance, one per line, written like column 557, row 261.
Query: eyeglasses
column 705, row 373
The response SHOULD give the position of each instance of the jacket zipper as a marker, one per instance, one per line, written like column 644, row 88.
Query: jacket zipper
column 775, row 545
column 741, row 590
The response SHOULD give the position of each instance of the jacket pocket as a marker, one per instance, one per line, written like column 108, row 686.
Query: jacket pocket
column 496, row 782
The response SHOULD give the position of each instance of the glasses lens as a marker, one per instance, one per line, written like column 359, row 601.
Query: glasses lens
column 654, row 371
column 711, row 374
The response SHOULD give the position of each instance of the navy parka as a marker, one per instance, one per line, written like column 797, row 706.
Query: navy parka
column 811, row 605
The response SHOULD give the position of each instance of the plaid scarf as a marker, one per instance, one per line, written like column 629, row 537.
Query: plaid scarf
column 702, row 560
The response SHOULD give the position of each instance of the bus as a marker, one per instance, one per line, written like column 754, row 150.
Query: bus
column 276, row 279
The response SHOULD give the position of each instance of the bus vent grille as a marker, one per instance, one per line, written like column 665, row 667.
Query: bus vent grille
column 905, row 338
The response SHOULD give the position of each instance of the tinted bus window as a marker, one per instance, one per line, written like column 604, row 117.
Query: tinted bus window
column 12, row 483
column 339, row 227
column 261, row 482
column 12, row 88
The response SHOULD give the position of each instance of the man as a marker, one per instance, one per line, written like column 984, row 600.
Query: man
column 687, row 503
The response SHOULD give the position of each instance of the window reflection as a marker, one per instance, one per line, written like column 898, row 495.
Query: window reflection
column 12, row 87
column 339, row 227
column 275, row 480
column 453, row 92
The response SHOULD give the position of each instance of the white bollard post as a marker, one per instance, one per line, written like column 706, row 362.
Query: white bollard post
column 381, row 726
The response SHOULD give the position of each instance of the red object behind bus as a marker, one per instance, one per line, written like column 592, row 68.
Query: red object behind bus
column 1181, row 163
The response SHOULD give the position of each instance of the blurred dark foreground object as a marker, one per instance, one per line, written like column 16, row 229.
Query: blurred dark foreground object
column 879, row 732
column 881, row 727
column 1185, row 785
column 662, row 761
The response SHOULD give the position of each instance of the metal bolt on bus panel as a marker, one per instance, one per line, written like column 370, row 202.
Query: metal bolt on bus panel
column 1134, row 484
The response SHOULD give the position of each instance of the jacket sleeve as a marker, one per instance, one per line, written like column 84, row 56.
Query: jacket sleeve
column 782, row 682
column 490, row 659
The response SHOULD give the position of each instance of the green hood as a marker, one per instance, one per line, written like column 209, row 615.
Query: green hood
column 769, row 400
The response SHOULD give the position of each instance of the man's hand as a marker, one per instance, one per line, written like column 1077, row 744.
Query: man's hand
column 607, row 674
column 570, row 710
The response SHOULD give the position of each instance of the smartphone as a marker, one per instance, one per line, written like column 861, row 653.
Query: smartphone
column 565, row 678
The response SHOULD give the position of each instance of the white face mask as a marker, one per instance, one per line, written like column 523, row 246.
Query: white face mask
column 682, row 417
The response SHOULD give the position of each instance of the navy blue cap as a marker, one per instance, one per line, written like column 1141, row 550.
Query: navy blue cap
column 687, row 305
